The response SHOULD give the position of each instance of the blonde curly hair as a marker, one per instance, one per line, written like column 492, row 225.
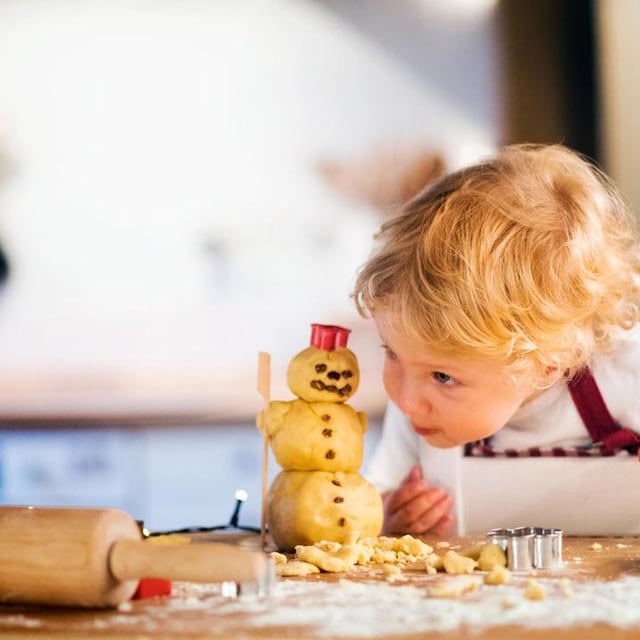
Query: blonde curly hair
column 530, row 258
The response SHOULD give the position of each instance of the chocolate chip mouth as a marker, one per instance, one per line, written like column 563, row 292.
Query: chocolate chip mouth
column 331, row 388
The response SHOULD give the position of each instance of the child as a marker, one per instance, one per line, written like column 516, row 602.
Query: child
column 507, row 299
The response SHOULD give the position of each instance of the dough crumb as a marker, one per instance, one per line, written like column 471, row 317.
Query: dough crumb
column 497, row 575
column 391, row 569
column 337, row 561
column 596, row 546
column 328, row 545
column 566, row 588
column 393, row 573
column 491, row 556
column 295, row 568
column 534, row 590
column 453, row 588
column 278, row 558
column 456, row 564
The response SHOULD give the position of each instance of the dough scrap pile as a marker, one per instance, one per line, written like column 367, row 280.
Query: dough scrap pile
column 405, row 551
column 392, row 555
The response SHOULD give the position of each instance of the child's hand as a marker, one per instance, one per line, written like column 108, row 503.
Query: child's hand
column 416, row 508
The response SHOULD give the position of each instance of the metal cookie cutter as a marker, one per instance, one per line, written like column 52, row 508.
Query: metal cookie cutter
column 529, row 547
column 260, row 588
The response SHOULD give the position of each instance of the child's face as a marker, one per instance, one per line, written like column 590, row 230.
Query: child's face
column 449, row 401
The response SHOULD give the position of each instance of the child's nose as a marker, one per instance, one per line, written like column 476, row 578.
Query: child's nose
column 411, row 399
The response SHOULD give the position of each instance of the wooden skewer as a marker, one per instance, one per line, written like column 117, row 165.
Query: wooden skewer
column 264, row 389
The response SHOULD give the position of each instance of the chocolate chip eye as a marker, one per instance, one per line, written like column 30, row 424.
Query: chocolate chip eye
column 321, row 368
column 347, row 374
column 333, row 375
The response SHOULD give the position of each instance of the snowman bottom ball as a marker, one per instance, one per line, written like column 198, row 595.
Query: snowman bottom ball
column 305, row 507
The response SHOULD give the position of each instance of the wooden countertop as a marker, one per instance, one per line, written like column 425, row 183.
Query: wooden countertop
column 584, row 601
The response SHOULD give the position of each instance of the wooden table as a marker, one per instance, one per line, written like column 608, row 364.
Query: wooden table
column 198, row 611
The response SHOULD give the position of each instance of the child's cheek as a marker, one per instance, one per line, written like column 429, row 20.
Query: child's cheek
column 391, row 380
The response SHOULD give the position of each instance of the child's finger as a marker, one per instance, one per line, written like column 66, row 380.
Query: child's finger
column 423, row 503
column 404, row 494
column 444, row 528
column 395, row 524
column 432, row 517
column 437, row 520
column 415, row 473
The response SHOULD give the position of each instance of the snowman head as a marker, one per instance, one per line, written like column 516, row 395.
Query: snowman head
column 326, row 371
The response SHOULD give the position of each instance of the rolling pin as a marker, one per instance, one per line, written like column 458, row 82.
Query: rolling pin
column 95, row 558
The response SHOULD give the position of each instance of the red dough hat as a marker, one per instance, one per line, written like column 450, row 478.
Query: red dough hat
column 328, row 336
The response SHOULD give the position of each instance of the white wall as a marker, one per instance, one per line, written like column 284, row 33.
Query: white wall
column 142, row 132
column 619, row 50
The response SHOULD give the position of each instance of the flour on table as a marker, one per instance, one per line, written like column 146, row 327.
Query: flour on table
column 371, row 609
column 346, row 608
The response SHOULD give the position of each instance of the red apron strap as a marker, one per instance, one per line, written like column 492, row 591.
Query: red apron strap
column 599, row 422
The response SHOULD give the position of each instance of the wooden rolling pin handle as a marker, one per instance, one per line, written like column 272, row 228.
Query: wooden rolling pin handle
column 135, row 559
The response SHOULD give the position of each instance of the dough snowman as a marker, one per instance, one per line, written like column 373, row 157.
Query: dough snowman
column 317, row 439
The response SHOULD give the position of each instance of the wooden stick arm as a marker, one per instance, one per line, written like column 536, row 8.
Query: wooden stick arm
column 135, row 559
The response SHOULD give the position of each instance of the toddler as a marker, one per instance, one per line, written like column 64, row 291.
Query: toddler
column 507, row 299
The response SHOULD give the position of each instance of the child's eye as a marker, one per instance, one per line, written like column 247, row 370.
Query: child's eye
column 443, row 378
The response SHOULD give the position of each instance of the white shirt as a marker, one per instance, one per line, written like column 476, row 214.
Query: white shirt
column 550, row 420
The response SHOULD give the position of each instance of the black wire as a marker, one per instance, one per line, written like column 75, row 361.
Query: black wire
column 220, row 527
column 232, row 524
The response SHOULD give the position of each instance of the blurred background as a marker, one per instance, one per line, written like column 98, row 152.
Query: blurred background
column 185, row 183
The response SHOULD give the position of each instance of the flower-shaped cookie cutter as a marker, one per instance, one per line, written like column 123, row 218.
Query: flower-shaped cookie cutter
column 529, row 548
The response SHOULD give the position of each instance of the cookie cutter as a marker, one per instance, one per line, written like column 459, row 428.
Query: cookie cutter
column 529, row 548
